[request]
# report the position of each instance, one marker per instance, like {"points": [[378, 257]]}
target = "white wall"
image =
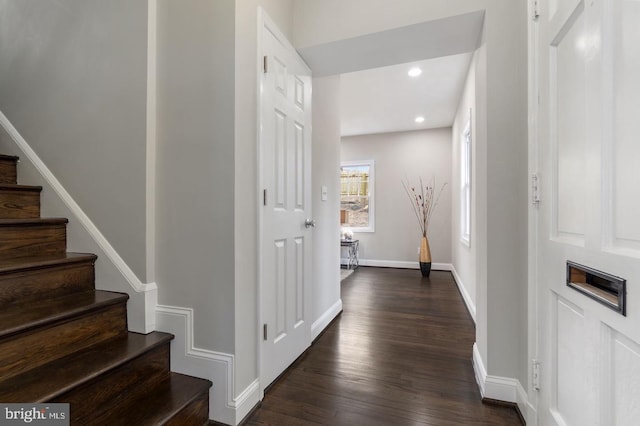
{"points": [[463, 256], [501, 137], [195, 153], [73, 82], [325, 164], [398, 156]]}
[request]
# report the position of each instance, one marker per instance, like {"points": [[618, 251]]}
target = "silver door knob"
{"points": [[309, 223]]}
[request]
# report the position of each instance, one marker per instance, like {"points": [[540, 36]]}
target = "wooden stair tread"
{"points": [[160, 403], [33, 222], [17, 318], [16, 187], [63, 341], [38, 262], [48, 381]]}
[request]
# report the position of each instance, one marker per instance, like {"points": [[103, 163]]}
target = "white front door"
{"points": [[588, 68], [285, 145]]}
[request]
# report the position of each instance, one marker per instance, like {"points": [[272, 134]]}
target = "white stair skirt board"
{"points": [[224, 405], [500, 388]]}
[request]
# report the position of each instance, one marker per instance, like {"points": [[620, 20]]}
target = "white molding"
{"points": [[478, 368], [248, 398], [150, 303], [471, 306], [500, 388], [403, 264], [325, 319], [526, 408], [215, 366], [150, 178]]}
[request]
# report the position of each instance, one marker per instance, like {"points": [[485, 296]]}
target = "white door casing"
{"points": [[285, 152], [587, 73]]}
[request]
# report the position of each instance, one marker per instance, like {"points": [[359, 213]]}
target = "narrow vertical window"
{"points": [[356, 195], [465, 183]]}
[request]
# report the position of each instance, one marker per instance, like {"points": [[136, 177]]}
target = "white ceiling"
{"points": [[377, 94], [386, 99]]}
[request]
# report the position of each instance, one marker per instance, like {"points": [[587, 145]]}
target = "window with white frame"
{"points": [[465, 183], [356, 195]]}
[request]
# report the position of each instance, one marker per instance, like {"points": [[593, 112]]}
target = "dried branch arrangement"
{"points": [[423, 200]]}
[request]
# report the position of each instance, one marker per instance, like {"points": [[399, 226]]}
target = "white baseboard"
{"points": [[479, 370], [246, 400], [92, 230], [218, 367], [500, 388], [402, 264], [471, 306], [325, 319]]}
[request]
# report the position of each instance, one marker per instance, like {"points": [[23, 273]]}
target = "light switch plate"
{"points": [[324, 193]]}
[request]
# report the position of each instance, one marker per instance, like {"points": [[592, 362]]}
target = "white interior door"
{"points": [[285, 144], [588, 66]]}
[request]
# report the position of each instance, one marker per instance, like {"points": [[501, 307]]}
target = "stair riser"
{"points": [[29, 350], [146, 370], [47, 282], [8, 173], [23, 241], [19, 204], [196, 413]]}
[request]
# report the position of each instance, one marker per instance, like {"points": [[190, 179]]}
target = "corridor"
{"points": [[400, 354]]}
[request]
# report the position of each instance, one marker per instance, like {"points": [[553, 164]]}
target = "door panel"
{"points": [[624, 234], [568, 80], [285, 141], [588, 65], [625, 379]]}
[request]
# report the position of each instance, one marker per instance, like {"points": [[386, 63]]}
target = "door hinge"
{"points": [[264, 197], [264, 331], [535, 374], [535, 13], [535, 189], [264, 64]]}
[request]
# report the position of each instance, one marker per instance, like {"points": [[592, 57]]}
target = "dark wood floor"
{"points": [[400, 354]]}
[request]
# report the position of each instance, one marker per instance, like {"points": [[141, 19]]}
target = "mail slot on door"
{"points": [[605, 288]]}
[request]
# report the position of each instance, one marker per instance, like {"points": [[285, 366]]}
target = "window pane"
{"points": [[354, 196]]}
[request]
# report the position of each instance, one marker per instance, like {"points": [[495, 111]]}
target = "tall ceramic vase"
{"points": [[425, 257]]}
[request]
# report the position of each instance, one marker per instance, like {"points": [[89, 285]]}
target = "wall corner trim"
{"points": [[471, 306], [82, 217], [499, 388], [219, 367], [246, 400], [325, 319]]}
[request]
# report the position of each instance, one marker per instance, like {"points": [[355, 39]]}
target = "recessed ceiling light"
{"points": [[414, 72], [419, 119]]}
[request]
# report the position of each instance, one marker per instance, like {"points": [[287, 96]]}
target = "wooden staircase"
{"points": [[61, 340]]}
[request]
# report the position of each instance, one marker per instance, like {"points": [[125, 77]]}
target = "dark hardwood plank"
{"points": [[399, 354], [8, 169], [56, 334], [162, 404], [19, 201], [29, 279], [32, 237], [96, 373]]}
